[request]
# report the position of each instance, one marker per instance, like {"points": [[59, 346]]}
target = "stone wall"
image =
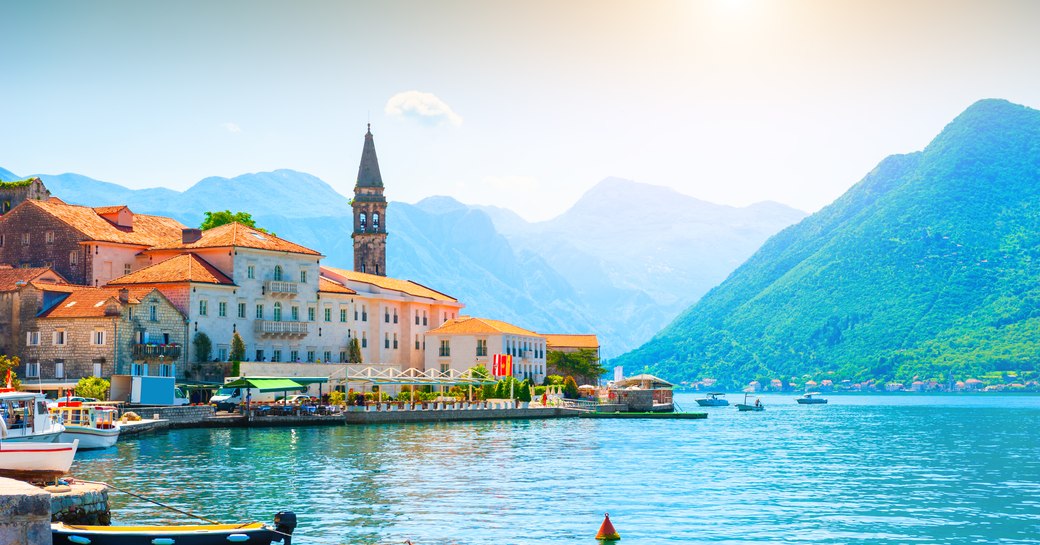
{"points": [[178, 415], [30, 220], [84, 503], [25, 514]]}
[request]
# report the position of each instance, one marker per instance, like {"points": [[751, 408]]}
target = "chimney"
{"points": [[190, 235], [124, 295]]}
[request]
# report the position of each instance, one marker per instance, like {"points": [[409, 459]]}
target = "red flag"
{"points": [[494, 364], [508, 367]]}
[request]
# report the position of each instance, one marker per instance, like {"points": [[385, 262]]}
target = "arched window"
{"points": [[361, 220], [375, 221], [277, 312], [277, 272]]}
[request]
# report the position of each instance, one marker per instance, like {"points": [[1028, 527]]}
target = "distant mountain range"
{"points": [[928, 268], [621, 263]]}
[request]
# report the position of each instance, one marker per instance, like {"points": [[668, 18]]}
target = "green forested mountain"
{"points": [[928, 266]]}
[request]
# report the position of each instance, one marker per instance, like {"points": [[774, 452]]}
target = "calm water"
{"points": [[863, 469]]}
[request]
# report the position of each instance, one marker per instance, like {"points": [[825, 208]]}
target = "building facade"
{"points": [[465, 342], [16, 192]]}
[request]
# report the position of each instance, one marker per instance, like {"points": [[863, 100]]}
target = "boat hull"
{"points": [[750, 408], [90, 438], [207, 534], [814, 401], [23, 459], [46, 437], [712, 402]]}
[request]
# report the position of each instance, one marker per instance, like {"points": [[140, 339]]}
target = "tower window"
{"points": [[375, 221], [361, 221]]}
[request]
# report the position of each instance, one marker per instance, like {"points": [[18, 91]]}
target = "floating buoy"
{"points": [[607, 531]]}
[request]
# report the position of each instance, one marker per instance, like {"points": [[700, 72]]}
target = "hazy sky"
{"points": [[523, 104]]}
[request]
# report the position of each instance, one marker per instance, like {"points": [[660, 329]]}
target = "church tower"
{"points": [[369, 213]]}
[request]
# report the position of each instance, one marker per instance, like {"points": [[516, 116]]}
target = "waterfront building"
{"points": [[87, 246], [465, 342], [569, 344], [20, 302]]}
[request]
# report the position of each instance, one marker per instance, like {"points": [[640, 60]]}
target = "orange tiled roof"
{"points": [[146, 231], [236, 235], [183, 268], [468, 325], [571, 341], [404, 286], [84, 302], [331, 286], [102, 210], [10, 276]]}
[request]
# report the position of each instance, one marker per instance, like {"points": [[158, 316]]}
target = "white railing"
{"points": [[279, 287], [270, 327]]}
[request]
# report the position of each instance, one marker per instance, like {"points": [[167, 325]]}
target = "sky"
{"points": [[520, 104]]}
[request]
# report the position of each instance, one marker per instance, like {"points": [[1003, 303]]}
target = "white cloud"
{"points": [[425, 108], [231, 127]]}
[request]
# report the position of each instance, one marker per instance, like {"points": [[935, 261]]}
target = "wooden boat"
{"points": [[251, 533], [25, 417], [32, 460], [745, 406], [94, 425], [713, 399], [808, 399]]}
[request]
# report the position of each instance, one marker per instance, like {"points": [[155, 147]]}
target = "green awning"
{"points": [[266, 384]]}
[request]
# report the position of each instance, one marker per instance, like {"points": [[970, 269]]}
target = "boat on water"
{"points": [[808, 399], [32, 460], [713, 399], [251, 533], [94, 425], [26, 418], [745, 406]]}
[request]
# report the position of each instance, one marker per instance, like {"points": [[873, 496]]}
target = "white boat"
{"points": [[23, 459], [714, 399], [745, 406], [26, 418], [95, 426], [808, 399]]}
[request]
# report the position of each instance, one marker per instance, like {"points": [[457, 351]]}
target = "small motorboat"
{"points": [[36, 461], [808, 399], [94, 425], [250, 533], [745, 406], [713, 399], [26, 418]]}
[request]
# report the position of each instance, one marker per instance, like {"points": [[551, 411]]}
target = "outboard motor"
{"points": [[285, 523]]}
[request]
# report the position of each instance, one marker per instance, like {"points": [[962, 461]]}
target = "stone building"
{"points": [[20, 302], [369, 206], [85, 245], [465, 342], [14, 193]]}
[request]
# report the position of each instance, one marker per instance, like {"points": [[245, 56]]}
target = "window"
{"points": [[303, 277], [364, 313], [222, 353], [481, 347], [73, 259], [165, 370], [276, 355], [310, 314], [259, 354], [294, 356], [277, 312], [58, 338], [130, 313], [395, 341], [138, 369], [416, 342], [445, 367], [355, 314], [277, 272], [343, 315], [386, 315], [98, 338], [203, 307], [32, 338], [59, 368], [328, 357], [97, 369], [417, 317], [364, 340], [424, 322], [251, 272], [260, 311], [445, 349], [48, 237], [153, 312], [386, 340], [395, 315], [295, 313], [328, 314], [342, 356], [25, 242], [310, 355], [126, 268], [32, 369], [222, 309], [3, 238], [241, 310], [375, 221], [361, 220]]}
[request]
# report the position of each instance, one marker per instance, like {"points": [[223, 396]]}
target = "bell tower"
{"points": [[369, 213]]}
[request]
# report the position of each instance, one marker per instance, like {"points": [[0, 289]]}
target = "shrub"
{"points": [[525, 391], [337, 397], [95, 387], [570, 388], [552, 380]]}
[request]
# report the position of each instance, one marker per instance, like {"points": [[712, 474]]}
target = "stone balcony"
{"points": [[281, 329], [280, 287], [156, 351]]}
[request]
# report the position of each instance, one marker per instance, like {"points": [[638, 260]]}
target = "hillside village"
{"points": [[102, 291]]}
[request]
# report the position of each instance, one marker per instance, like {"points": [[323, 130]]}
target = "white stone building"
{"points": [[465, 342]]}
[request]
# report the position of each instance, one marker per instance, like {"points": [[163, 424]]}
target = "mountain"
{"points": [[8, 176], [621, 264], [929, 266]]}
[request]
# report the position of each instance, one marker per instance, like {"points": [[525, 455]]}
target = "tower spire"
{"points": [[369, 207]]}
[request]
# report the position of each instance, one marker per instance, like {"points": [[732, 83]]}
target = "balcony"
{"points": [[279, 287], [281, 329], [155, 351]]}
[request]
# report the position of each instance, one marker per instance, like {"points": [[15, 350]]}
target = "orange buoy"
{"points": [[607, 531]]}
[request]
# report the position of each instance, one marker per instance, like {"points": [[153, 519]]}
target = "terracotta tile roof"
{"points": [[84, 302], [146, 230], [331, 286], [394, 284], [103, 210], [10, 276], [468, 325], [183, 268], [571, 341], [236, 235]]}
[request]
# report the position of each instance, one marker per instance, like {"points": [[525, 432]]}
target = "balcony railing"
{"points": [[279, 287], [270, 327], [155, 351]]}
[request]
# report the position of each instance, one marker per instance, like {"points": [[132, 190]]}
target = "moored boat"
{"points": [[745, 406], [808, 399], [251, 533], [94, 425], [26, 418], [713, 399], [31, 460]]}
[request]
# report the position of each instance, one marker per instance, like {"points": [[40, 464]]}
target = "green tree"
{"points": [[570, 388], [480, 371], [203, 347], [552, 380], [9, 363], [216, 219], [354, 351], [524, 392], [238, 353], [95, 387], [584, 363]]}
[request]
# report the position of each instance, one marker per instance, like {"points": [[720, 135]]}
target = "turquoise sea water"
{"points": [[862, 469]]}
